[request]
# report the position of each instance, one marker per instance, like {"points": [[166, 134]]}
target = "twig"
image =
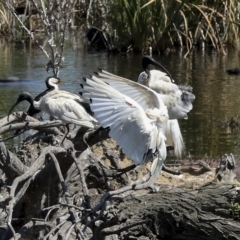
{"points": [[52, 23], [69, 231], [81, 233], [88, 13], [84, 155], [54, 229], [51, 209], [73, 206], [64, 187]]}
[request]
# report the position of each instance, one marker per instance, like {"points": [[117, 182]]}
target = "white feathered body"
{"points": [[158, 81], [178, 102], [67, 107]]}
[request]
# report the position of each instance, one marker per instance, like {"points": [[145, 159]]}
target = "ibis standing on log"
{"points": [[61, 105], [136, 123]]}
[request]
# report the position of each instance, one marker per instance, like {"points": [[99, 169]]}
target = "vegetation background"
{"points": [[133, 25]]}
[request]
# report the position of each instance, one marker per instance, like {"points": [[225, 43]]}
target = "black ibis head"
{"points": [[148, 60], [25, 96]]}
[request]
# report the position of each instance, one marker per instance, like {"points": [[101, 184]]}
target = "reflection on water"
{"points": [[217, 96]]}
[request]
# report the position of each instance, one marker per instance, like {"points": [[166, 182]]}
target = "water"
{"points": [[217, 97]]}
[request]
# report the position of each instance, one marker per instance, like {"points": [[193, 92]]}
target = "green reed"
{"points": [[163, 23]]}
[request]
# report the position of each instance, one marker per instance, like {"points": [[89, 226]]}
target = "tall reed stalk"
{"points": [[4, 20]]}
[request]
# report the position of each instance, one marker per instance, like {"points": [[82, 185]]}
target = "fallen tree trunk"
{"points": [[175, 213]]}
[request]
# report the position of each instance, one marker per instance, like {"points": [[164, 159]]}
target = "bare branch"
{"points": [[35, 167], [64, 187]]}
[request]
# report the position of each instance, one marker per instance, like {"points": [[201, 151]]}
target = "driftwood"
{"points": [[74, 191]]}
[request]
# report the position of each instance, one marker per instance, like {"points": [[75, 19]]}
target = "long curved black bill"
{"points": [[146, 60], [10, 111]]}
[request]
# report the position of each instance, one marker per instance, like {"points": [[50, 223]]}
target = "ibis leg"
{"points": [[65, 134]]}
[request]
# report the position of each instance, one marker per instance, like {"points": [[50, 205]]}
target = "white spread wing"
{"points": [[143, 95], [128, 123]]}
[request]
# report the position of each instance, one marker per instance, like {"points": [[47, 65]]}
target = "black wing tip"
{"points": [[96, 73]]}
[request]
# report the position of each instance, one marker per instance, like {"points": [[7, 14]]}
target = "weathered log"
{"points": [[174, 213]]}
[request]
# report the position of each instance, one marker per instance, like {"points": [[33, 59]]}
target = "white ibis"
{"points": [[177, 99], [137, 126], [61, 105]]}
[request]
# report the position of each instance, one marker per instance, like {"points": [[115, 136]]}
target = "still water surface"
{"points": [[217, 94]]}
